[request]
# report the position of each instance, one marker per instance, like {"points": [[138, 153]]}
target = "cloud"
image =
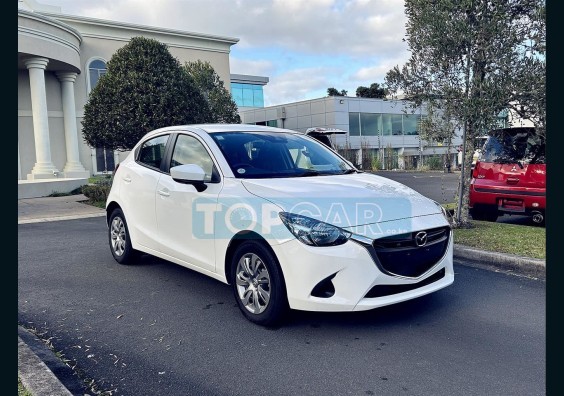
{"points": [[251, 67], [303, 46], [377, 72], [296, 85], [312, 26]]}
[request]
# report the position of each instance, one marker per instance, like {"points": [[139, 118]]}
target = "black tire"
{"points": [[482, 214], [118, 238], [260, 277]]}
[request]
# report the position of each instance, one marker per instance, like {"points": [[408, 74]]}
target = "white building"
{"points": [[60, 59], [372, 125]]}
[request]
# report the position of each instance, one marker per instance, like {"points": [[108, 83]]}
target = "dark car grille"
{"points": [[388, 290], [401, 255]]}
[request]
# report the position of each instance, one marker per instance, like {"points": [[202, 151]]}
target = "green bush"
{"points": [[145, 88], [434, 163], [376, 163], [96, 192], [99, 190]]}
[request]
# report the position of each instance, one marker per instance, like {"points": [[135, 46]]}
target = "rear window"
{"points": [[514, 145]]}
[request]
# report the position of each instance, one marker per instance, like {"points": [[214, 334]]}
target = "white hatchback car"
{"points": [[282, 218]]}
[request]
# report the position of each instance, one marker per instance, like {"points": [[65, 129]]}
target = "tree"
{"points": [[439, 126], [223, 107], [334, 92], [374, 91], [472, 59], [144, 88]]}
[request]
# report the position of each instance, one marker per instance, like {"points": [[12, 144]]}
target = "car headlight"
{"points": [[443, 210], [313, 232]]}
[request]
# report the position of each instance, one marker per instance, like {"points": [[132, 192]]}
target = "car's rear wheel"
{"points": [[258, 284], [118, 235], [484, 214]]}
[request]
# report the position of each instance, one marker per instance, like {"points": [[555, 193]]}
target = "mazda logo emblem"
{"points": [[421, 238]]}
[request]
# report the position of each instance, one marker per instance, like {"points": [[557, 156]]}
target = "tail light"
{"points": [[475, 171]]}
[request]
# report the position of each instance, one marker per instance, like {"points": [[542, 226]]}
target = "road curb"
{"points": [[60, 218], [39, 369], [503, 261]]}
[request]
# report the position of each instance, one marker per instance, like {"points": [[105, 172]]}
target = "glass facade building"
{"points": [[247, 90], [374, 124], [247, 95]]}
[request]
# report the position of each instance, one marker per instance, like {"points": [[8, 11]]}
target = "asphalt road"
{"points": [[443, 188], [156, 328]]}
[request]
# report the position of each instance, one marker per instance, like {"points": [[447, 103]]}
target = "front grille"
{"points": [[387, 290], [400, 254]]}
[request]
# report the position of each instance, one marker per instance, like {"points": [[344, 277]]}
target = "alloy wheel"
{"points": [[253, 283], [118, 236]]}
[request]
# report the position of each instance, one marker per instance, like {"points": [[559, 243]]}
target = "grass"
{"points": [[23, 391], [526, 241], [451, 206], [98, 204], [97, 178]]}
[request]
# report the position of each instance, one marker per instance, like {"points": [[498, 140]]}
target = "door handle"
{"points": [[164, 193], [127, 179]]}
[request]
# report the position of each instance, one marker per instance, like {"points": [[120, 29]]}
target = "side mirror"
{"points": [[189, 174]]}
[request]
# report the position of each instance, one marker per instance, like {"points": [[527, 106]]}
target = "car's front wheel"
{"points": [[118, 235], [258, 284]]}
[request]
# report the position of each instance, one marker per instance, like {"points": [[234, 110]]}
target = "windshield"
{"points": [[273, 154], [514, 145]]}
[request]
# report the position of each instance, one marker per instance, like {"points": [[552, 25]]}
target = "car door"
{"points": [[138, 190], [184, 233]]}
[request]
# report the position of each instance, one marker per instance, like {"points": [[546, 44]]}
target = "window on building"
{"points": [[370, 124], [270, 123], [387, 124], [237, 93], [247, 95], [410, 124], [96, 69], [354, 124], [248, 100], [258, 96], [104, 160], [397, 127]]}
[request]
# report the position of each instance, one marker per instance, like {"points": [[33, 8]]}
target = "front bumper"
{"points": [[353, 274]]}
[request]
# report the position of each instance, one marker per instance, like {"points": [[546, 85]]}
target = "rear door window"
{"points": [[153, 151]]}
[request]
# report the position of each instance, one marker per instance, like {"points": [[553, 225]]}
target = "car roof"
{"points": [[214, 128]]}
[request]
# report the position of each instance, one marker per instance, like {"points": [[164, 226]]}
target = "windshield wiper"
{"points": [[309, 173], [349, 171]]}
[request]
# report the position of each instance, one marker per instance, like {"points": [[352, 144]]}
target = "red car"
{"points": [[510, 176]]}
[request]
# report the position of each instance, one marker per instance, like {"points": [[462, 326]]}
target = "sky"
{"points": [[302, 46]]}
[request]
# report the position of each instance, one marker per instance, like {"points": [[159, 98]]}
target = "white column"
{"points": [[73, 167], [43, 168]]}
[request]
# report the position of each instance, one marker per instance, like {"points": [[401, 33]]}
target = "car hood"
{"points": [[344, 200]]}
